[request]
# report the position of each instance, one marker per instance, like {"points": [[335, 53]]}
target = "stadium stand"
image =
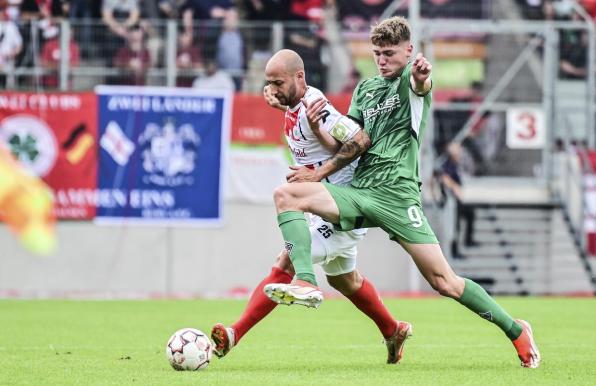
{"points": [[490, 58]]}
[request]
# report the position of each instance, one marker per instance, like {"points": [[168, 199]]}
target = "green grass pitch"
{"points": [[123, 343]]}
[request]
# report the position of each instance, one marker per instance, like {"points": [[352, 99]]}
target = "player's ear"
{"points": [[300, 74]]}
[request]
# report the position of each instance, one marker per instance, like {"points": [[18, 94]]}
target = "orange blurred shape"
{"points": [[27, 206]]}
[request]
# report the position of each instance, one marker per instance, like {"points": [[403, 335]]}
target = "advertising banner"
{"points": [[161, 155], [54, 135]]}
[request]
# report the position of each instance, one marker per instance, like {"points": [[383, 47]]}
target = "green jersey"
{"points": [[394, 117]]}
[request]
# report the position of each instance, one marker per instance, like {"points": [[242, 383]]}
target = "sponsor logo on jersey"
{"points": [[386, 106], [298, 152]]}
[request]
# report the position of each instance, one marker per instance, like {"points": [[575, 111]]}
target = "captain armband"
{"points": [[344, 129]]}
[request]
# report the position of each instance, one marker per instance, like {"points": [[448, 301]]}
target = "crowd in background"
{"points": [[128, 34], [213, 51]]}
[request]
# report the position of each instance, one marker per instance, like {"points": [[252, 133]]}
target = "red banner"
{"points": [[55, 135], [256, 123]]}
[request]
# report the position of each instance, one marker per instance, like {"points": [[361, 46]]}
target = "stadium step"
{"points": [[522, 249]]}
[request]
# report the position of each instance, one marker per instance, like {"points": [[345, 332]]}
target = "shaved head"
{"points": [[285, 77], [287, 61]]}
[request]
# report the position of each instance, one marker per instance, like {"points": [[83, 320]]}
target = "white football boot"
{"points": [[298, 292]]}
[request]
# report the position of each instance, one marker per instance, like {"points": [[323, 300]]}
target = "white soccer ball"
{"points": [[189, 349]]}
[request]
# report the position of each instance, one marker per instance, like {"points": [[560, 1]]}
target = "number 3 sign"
{"points": [[525, 128]]}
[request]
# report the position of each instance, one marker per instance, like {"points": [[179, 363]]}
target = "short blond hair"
{"points": [[390, 32]]}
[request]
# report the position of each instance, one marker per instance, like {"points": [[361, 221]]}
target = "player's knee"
{"points": [[283, 198], [347, 283], [444, 286]]}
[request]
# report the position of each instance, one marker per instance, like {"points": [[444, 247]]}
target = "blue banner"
{"points": [[161, 154]]}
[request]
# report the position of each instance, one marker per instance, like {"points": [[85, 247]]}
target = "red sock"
{"points": [[259, 304], [368, 301]]}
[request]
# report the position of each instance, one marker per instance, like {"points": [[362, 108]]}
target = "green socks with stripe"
{"points": [[294, 229], [478, 300]]}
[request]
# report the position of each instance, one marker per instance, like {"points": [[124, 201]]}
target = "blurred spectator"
{"points": [[306, 10], [563, 8], [230, 47], [81, 16], [154, 41], [172, 9], [573, 52], [209, 9], [134, 58], [52, 8], [76, 8], [188, 58], [177, 10], [455, 9], [51, 55], [359, 15], [41, 9], [12, 9], [532, 9], [266, 9], [574, 55], [590, 6], [214, 79], [308, 41], [118, 16], [451, 122], [452, 181], [149, 9], [11, 44]]}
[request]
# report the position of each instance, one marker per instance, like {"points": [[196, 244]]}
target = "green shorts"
{"points": [[396, 209]]}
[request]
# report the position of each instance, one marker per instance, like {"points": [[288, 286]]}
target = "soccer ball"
{"points": [[189, 349]]}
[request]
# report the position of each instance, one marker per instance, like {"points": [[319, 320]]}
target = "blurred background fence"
{"points": [[513, 124]]}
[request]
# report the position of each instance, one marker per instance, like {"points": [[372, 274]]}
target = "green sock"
{"points": [[477, 300], [297, 239]]}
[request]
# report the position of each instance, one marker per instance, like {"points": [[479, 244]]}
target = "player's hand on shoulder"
{"points": [[271, 99], [315, 110], [302, 174]]}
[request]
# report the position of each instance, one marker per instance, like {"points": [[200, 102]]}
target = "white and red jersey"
{"points": [[304, 144]]}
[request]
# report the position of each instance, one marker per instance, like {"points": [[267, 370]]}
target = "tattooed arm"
{"points": [[348, 152]]}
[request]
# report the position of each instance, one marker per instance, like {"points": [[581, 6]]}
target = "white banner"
{"points": [[254, 173]]}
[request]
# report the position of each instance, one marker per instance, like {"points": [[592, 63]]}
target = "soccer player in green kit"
{"points": [[392, 108]]}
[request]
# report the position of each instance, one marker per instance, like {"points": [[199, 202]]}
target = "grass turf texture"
{"points": [[123, 343]]}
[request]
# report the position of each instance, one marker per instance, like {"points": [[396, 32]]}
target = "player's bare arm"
{"points": [[315, 111], [271, 99], [348, 152], [420, 78]]}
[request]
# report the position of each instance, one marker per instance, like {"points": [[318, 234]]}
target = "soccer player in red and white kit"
{"points": [[312, 142]]}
